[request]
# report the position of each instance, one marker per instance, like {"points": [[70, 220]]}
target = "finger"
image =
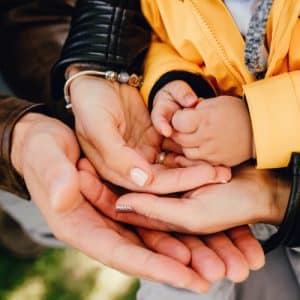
{"points": [[163, 110], [101, 197], [204, 260], [170, 145], [85, 165], [184, 162], [109, 247], [196, 153], [186, 120], [188, 140], [249, 246], [164, 243], [181, 92], [164, 209], [223, 173], [181, 179], [170, 161], [95, 191], [237, 268]]}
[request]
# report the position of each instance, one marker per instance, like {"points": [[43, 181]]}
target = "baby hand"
{"points": [[172, 97], [217, 130]]}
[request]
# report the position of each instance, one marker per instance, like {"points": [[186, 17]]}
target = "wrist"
{"points": [[281, 199], [278, 190], [19, 136]]}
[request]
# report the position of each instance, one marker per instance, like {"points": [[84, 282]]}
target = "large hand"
{"points": [[116, 134], [45, 152], [214, 256], [252, 196]]}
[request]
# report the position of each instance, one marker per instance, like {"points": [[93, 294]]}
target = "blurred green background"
{"points": [[62, 274]]}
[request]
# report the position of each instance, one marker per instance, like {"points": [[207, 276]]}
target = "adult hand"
{"points": [[45, 152], [229, 254], [115, 132], [251, 196]]}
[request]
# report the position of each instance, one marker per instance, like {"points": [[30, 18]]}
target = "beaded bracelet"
{"points": [[122, 77]]}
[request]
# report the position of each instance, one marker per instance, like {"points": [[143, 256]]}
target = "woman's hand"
{"points": [[251, 196], [228, 254], [115, 131]]}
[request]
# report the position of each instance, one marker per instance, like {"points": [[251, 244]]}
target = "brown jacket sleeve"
{"points": [[11, 110], [32, 35]]}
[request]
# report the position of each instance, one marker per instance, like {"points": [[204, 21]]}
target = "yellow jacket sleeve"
{"points": [[274, 105], [161, 59]]}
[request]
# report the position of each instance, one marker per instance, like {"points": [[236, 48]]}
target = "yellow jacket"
{"points": [[201, 37]]}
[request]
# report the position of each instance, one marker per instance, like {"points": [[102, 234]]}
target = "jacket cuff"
{"points": [[274, 110], [11, 110], [111, 34], [199, 85]]}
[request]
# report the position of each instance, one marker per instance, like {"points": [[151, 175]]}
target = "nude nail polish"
{"points": [[138, 176]]}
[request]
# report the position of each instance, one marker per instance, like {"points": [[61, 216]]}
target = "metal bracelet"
{"points": [[133, 80]]}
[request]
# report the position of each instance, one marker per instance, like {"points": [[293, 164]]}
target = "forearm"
{"points": [[34, 32]]}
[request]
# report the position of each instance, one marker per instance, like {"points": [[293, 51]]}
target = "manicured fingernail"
{"points": [[138, 176], [124, 208]]}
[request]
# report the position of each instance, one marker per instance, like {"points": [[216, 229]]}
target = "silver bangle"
{"points": [[122, 77]]}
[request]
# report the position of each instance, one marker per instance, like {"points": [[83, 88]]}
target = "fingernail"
{"points": [[138, 176], [190, 100], [124, 208], [218, 181], [224, 181]]}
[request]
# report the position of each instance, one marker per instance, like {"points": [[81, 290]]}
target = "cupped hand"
{"points": [[115, 132], [228, 254], [251, 196]]}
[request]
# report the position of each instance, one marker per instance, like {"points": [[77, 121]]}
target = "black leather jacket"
{"points": [[109, 34]]}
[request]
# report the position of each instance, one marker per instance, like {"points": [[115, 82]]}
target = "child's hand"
{"points": [[169, 99], [217, 130]]}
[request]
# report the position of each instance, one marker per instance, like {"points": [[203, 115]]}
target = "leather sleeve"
{"points": [[107, 35], [32, 34]]}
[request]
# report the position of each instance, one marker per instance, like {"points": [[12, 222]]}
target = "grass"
{"points": [[60, 275]]}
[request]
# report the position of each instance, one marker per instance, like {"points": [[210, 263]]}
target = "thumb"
{"points": [[55, 167], [64, 190]]}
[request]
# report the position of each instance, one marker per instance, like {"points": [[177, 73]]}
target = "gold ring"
{"points": [[161, 157]]}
